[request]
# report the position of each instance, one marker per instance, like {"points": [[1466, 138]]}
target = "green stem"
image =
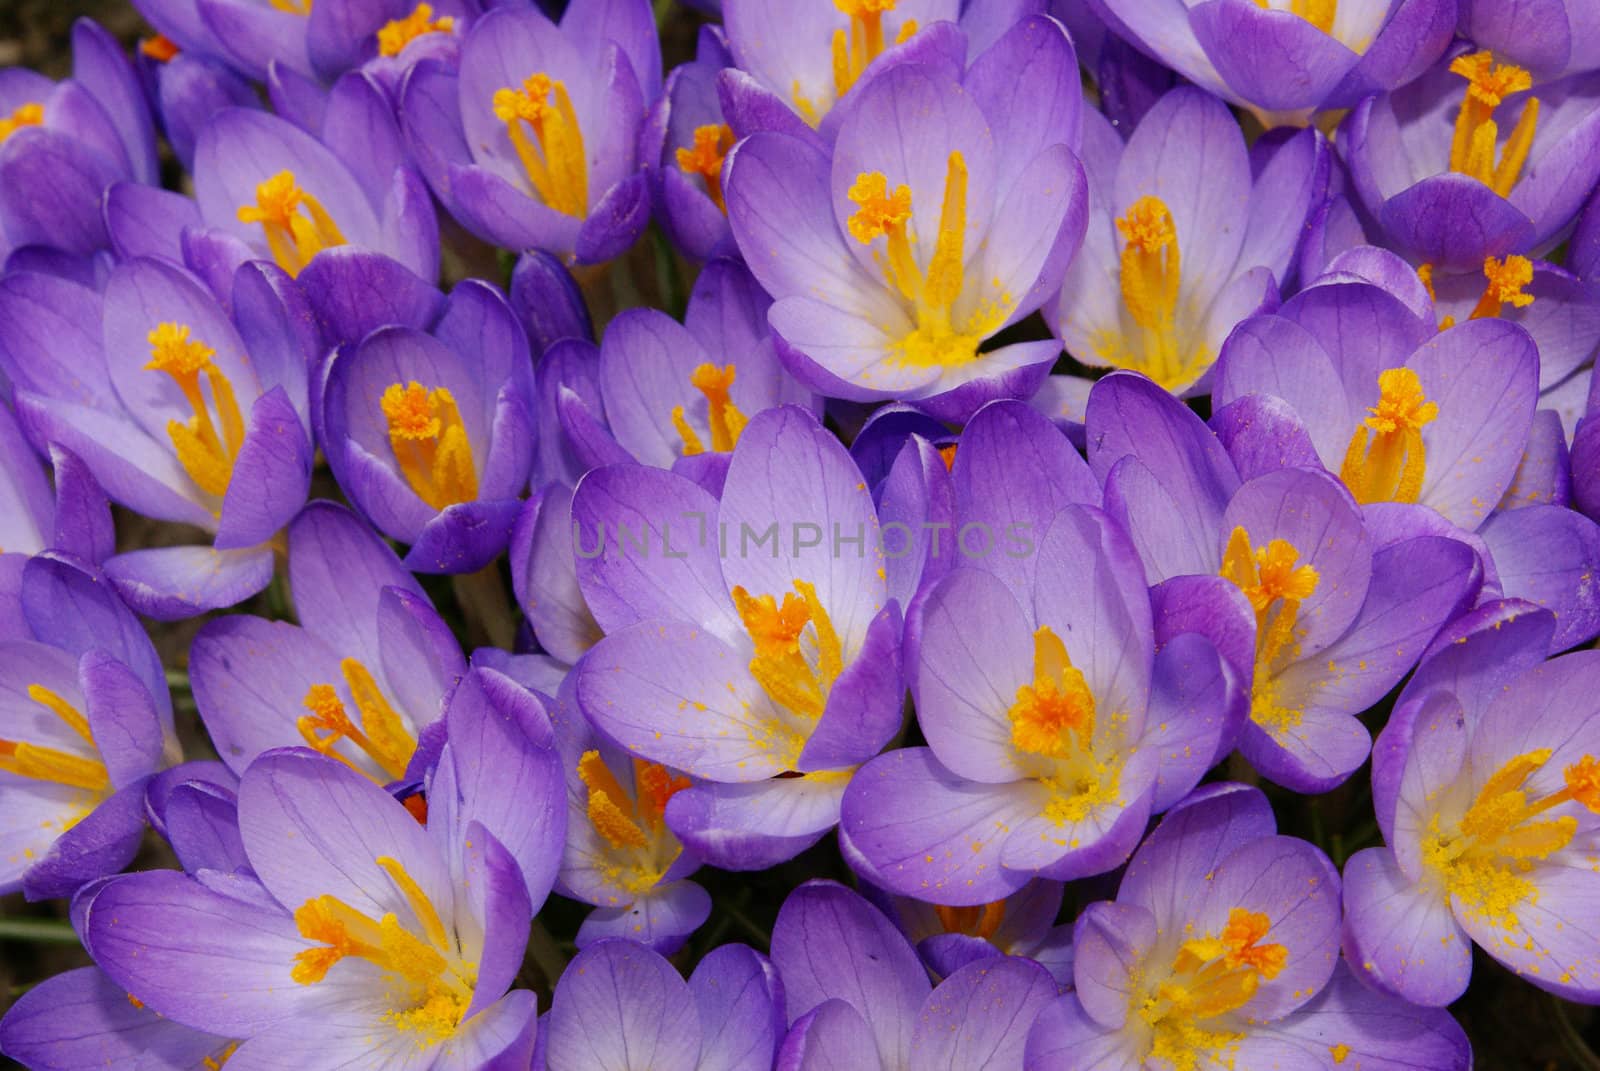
{"points": [[38, 931], [663, 9], [485, 605], [545, 953], [667, 277], [1576, 1046], [758, 936]]}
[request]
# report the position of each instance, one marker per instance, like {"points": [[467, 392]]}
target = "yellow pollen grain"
{"points": [[24, 115]]}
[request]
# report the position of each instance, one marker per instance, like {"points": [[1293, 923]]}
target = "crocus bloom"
{"points": [[1181, 243], [85, 720], [1055, 729], [1550, 40], [678, 396], [1473, 160], [620, 855], [175, 417], [287, 197], [369, 939], [944, 214], [1288, 58], [747, 640], [1486, 783], [1221, 950], [855, 991], [948, 938], [365, 671], [431, 432], [621, 1007], [1323, 637], [533, 145], [685, 139], [62, 144]]}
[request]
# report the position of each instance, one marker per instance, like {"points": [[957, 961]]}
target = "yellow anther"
{"points": [[704, 158], [723, 417], [48, 764], [1320, 13], [1148, 226], [1473, 147], [430, 443], [206, 454], [796, 675], [30, 114], [382, 735], [217, 1060], [1425, 273], [421, 905], [863, 42], [1387, 459], [979, 920], [396, 34], [610, 808], [554, 159], [70, 716], [160, 48], [294, 223], [1210, 976], [1054, 714], [292, 7], [1484, 860], [172, 351], [1503, 283], [1150, 275], [1273, 580], [655, 785]]}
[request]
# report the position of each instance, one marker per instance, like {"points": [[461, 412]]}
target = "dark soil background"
{"points": [[1514, 1027]]}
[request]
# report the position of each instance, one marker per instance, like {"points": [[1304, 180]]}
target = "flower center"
{"points": [[396, 34], [205, 453], [1473, 149], [634, 825], [160, 48], [1053, 720], [292, 7], [1149, 274], [59, 767], [979, 920], [1320, 13], [295, 224], [704, 158], [1210, 977], [554, 159], [724, 418], [430, 443], [1483, 863], [381, 735], [1275, 583], [940, 337], [1503, 284], [433, 982], [1387, 459], [798, 656]]}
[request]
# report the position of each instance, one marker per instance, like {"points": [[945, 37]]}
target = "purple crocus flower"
{"points": [[684, 142], [1182, 241], [156, 391], [1221, 950], [81, 1018], [1332, 616], [362, 675], [533, 144], [621, 856], [1550, 39], [430, 432], [796, 64], [87, 721], [750, 642], [262, 182], [1023, 924], [621, 1007], [1286, 59], [1473, 160], [1487, 787], [944, 213], [857, 996], [188, 89], [1055, 729], [678, 396], [62, 144], [369, 938]]}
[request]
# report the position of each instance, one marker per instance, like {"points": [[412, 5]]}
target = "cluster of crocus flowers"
{"points": [[969, 536]]}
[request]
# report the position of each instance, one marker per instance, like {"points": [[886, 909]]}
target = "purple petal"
{"points": [[172, 583], [619, 1005]]}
